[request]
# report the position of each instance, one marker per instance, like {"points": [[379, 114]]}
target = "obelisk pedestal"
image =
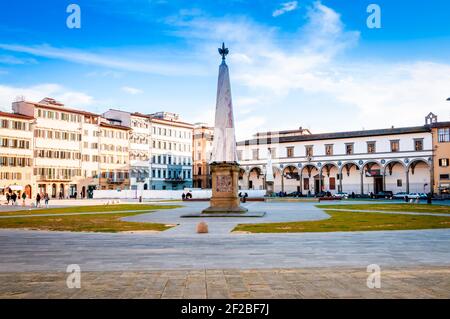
{"points": [[225, 197]]}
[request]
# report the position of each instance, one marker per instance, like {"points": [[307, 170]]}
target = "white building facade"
{"points": [[171, 158], [360, 162]]}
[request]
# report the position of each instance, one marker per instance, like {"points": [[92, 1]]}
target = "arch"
{"points": [[256, 169], [290, 172], [415, 161], [348, 165], [329, 165], [61, 191], [391, 163], [371, 162], [309, 168]]}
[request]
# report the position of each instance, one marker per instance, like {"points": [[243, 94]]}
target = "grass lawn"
{"points": [[87, 209], [89, 222], [419, 208], [351, 221]]}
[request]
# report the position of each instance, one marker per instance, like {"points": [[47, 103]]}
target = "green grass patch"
{"points": [[418, 208], [89, 222], [88, 209], [351, 221]]}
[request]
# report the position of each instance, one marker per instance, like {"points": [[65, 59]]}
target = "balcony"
{"points": [[115, 180], [53, 178], [175, 180]]}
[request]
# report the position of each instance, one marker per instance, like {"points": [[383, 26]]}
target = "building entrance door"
{"points": [[378, 184]]}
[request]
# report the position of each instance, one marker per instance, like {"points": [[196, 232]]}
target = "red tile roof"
{"points": [[17, 116]]}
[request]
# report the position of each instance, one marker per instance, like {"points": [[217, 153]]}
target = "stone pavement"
{"points": [[418, 282]]}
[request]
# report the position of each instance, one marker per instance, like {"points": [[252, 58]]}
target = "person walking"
{"points": [[13, 199], [24, 197], [46, 199], [38, 200], [8, 197]]}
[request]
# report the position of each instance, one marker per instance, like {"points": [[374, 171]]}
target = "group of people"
{"points": [[186, 196], [42, 196], [11, 198]]}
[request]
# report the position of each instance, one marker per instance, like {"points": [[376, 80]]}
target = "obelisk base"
{"points": [[225, 197], [269, 188]]}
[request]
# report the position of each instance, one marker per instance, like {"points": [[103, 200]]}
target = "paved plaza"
{"points": [[167, 264]]}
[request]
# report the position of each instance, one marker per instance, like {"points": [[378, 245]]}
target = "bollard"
{"points": [[202, 228]]}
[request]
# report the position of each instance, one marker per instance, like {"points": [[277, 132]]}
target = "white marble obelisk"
{"points": [[224, 143], [224, 166]]}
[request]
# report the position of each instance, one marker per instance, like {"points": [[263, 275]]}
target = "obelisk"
{"points": [[224, 163]]}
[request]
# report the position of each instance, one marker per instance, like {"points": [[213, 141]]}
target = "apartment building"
{"points": [[441, 159], [57, 145], [16, 154], [114, 146], [171, 157], [201, 154], [140, 146]]}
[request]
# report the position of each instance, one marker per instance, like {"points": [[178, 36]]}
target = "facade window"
{"points": [[418, 144], [255, 155], [443, 162], [309, 150], [239, 155], [395, 145], [444, 176], [349, 148], [290, 151], [444, 135], [371, 147], [399, 183], [329, 149]]}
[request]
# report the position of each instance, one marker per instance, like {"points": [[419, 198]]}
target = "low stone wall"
{"points": [[166, 194]]}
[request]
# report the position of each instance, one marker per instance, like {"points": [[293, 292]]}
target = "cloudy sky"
{"points": [[305, 63]]}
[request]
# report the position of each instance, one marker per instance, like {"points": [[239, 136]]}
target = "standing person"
{"points": [[46, 199], [13, 199], [38, 200], [24, 196], [8, 197]]}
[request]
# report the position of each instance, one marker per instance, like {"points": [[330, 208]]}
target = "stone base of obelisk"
{"points": [[225, 190], [269, 188]]}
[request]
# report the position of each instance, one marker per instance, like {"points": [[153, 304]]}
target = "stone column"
{"points": [[407, 180], [340, 181], [384, 179], [320, 180], [362, 181]]}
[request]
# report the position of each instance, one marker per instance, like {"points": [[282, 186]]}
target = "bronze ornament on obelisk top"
{"points": [[224, 163]]}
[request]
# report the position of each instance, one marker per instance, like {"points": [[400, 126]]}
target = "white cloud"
{"points": [[33, 93], [131, 90], [105, 60], [285, 7], [9, 59]]}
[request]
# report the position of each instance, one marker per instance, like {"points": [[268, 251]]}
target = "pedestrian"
{"points": [[429, 196], [38, 200], [183, 196], [8, 197], [24, 196], [13, 199], [60, 195], [46, 199]]}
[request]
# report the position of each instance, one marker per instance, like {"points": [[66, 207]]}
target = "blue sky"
{"points": [[293, 63]]}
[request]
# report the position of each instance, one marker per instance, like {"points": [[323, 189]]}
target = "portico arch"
{"points": [[255, 178], [290, 179], [310, 178], [372, 177], [350, 177], [394, 176], [418, 175], [329, 172]]}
